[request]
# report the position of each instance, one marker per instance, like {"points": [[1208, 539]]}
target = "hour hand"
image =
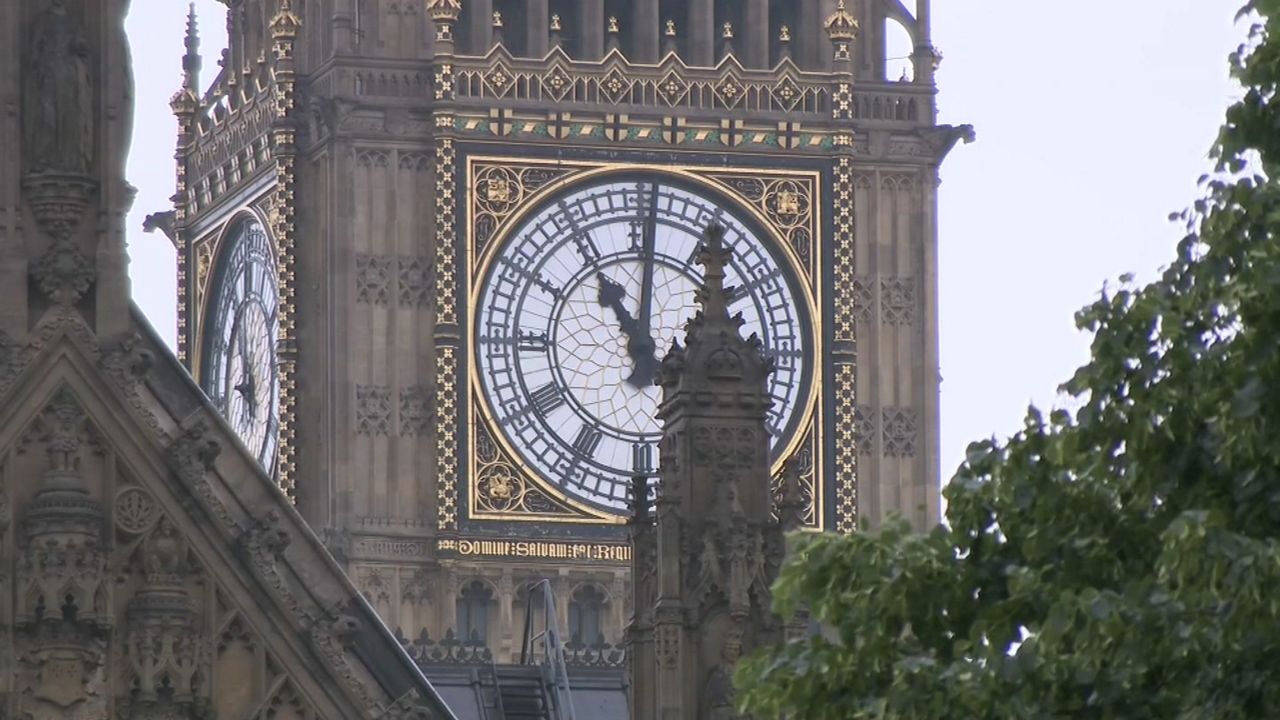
{"points": [[611, 296], [639, 345], [245, 389]]}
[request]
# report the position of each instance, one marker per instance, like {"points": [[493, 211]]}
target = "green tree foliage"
{"points": [[1118, 561]]}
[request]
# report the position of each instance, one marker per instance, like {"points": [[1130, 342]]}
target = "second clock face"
{"points": [[240, 331], [582, 301]]}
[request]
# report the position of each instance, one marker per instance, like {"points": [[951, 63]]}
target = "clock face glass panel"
{"points": [[240, 330], [585, 297]]}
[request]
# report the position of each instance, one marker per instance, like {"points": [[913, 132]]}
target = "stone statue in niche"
{"points": [[58, 109]]}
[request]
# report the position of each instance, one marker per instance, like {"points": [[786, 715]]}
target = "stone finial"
{"points": [[713, 295], [613, 27], [714, 350], [497, 19], [555, 23], [191, 59], [670, 30], [726, 31]]}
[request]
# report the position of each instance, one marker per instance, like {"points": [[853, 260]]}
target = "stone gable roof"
{"points": [[158, 570]]}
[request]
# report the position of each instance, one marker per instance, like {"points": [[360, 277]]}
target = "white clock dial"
{"points": [[581, 302]]}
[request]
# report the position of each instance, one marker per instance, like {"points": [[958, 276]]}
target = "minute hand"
{"points": [[644, 361]]}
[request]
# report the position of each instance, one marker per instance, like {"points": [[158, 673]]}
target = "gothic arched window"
{"points": [[473, 612], [586, 616]]}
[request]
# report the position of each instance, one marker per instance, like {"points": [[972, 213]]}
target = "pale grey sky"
{"points": [[1094, 119]]}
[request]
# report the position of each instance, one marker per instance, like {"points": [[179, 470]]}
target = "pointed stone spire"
{"points": [[191, 59], [704, 561]]}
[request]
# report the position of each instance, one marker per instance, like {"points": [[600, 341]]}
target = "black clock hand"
{"points": [[245, 388], [639, 344], [644, 361], [611, 296]]}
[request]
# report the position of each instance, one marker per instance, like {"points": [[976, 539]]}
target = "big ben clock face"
{"points": [[579, 304], [240, 330]]}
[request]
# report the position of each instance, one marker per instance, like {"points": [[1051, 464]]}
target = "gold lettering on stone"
{"points": [[542, 549]]}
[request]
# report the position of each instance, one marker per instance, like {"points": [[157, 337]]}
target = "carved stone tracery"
{"points": [[62, 608]]}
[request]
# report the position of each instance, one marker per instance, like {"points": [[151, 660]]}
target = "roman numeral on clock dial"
{"points": [[532, 341], [586, 441], [546, 398]]}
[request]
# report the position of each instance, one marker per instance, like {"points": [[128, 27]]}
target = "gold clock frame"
{"points": [[500, 194]]}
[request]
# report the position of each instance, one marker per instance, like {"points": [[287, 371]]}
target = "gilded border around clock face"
{"points": [[501, 192], [206, 251]]}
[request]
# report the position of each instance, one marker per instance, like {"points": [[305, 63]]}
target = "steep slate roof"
{"points": [[321, 646]]}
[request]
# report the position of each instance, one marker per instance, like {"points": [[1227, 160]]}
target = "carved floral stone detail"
{"points": [[62, 616], [900, 427], [373, 278], [163, 650], [63, 273], [127, 361], [373, 410], [192, 456], [898, 300], [9, 360], [332, 635], [58, 202], [416, 281], [135, 510], [864, 429], [861, 299], [501, 488], [415, 410]]}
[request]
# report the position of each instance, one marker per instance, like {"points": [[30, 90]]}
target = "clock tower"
{"points": [[432, 251]]}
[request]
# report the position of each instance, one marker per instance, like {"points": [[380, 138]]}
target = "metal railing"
{"points": [[555, 669]]}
